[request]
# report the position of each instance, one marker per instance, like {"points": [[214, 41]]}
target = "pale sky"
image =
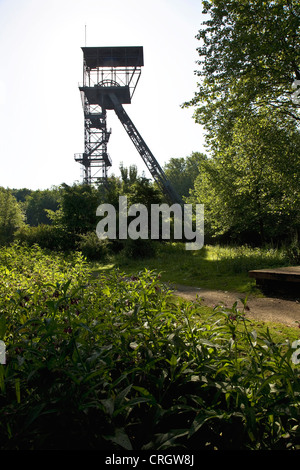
{"points": [[41, 116]]}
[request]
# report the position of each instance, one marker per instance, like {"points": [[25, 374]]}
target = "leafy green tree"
{"points": [[37, 204], [128, 175], [252, 185], [77, 209], [110, 191], [11, 216], [182, 172], [138, 190], [142, 191], [249, 58], [21, 194], [76, 213]]}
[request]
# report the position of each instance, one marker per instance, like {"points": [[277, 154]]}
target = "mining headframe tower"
{"points": [[110, 77]]}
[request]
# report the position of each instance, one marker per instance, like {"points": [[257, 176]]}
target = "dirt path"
{"points": [[264, 309]]}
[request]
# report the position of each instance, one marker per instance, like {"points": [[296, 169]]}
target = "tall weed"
{"points": [[114, 363]]}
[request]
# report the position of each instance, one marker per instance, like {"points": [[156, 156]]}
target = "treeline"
{"points": [[64, 218], [246, 199], [249, 65]]}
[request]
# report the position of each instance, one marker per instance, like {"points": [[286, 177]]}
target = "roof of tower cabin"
{"points": [[95, 57]]}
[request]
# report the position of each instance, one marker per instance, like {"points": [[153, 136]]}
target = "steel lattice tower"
{"points": [[110, 77]]}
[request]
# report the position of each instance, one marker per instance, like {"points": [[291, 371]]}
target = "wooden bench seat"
{"points": [[282, 280]]}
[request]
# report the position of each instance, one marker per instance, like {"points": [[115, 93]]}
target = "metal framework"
{"points": [[110, 77]]}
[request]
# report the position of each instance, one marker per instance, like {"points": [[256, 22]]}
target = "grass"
{"points": [[212, 267]]}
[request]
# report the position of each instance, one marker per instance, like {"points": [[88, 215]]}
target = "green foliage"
{"points": [[74, 220], [250, 187], [21, 194], [46, 236], [11, 216], [129, 175], [92, 248], [293, 251], [112, 363], [212, 267], [182, 172], [249, 58], [138, 189], [77, 209], [37, 204], [139, 249]]}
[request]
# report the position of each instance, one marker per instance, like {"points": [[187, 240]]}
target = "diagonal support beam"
{"points": [[152, 164], [103, 141]]}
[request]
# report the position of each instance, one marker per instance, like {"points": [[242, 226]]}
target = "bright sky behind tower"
{"points": [[41, 116]]}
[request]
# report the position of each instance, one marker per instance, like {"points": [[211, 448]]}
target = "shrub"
{"points": [[293, 252], [46, 236], [93, 248], [139, 248]]}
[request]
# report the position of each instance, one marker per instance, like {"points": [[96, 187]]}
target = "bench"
{"points": [[279, 280]]}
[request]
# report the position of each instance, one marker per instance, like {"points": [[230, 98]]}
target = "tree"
{"points": [[128, 175], [251, 187], [11, 216], [182, 172], [249, 58], [77, 209], [21, 194], [37, 204]]}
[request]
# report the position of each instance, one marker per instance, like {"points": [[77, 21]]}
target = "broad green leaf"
{"points": [[121, 439]]}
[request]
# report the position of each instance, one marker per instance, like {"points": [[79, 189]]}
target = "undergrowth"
{"points": [[114, 363], [212, 267]]}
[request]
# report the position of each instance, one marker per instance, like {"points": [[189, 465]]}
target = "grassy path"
{"points": [[218, 275], [265, 309]]}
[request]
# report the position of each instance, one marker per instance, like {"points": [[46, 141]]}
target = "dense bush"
{"points": [[93, 248], [139, 248], [113, 363], [47, 236]]}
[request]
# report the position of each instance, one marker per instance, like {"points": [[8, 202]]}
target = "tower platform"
{"points": [[99, 95], [99, 57]]}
